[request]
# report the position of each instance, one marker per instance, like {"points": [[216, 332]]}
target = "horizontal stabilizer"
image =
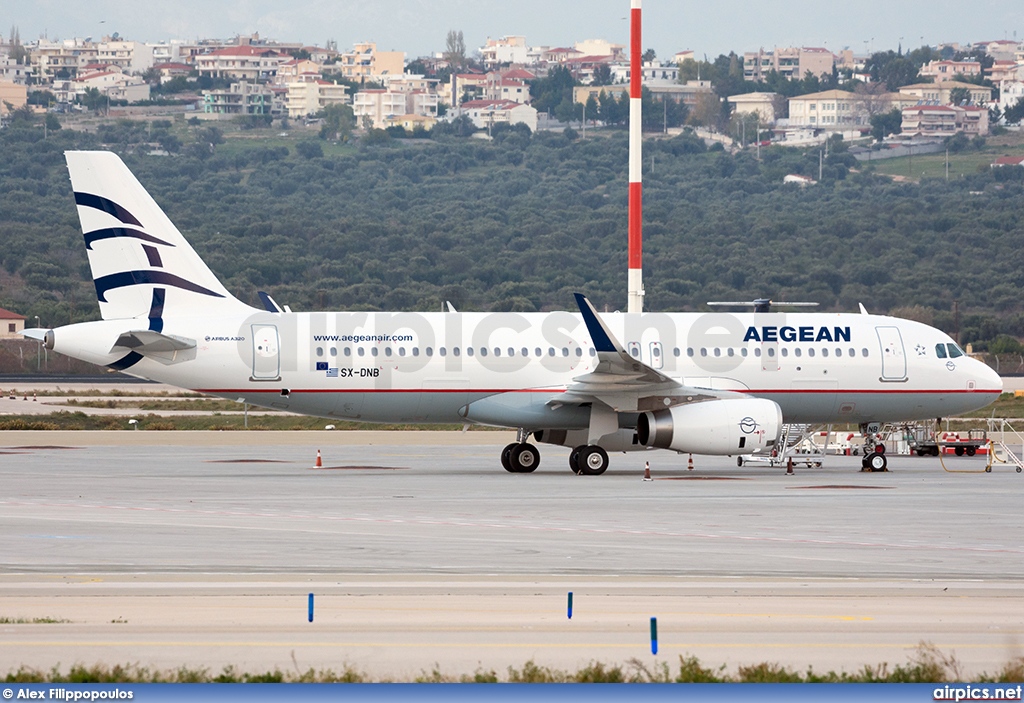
{"points": [[150, 342]]}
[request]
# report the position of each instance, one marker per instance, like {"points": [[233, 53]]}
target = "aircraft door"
{"points": [[894, 361], [657, 355], [266, 353]]}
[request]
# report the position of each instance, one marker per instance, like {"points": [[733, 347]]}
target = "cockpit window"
{"points": [[954, 350], [940, 350]]}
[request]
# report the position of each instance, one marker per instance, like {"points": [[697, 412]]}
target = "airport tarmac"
{"points": [[199, 549]]}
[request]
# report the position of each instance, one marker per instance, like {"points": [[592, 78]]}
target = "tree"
{"points": [[886, 123], [960, 96], [455, 49], [648, 56], [872, 99], [93, 99], [338, 122], [1015, 113], [707, 111], [17, 51], [602, 75], [548, 93]]}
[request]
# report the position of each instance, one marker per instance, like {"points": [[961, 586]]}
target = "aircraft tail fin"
{"points": [[141, 264]]}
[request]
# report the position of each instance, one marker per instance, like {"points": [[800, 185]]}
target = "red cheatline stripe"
{"points": [[753, 391], [636, 242], [635, 52]]}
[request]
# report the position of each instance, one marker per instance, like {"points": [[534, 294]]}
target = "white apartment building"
{"points": [[653, 72], [364, 63], [129, 56], [61, 59], [13, 72], [761, 104], [377, 106], [487, 113], [244, 63], [1010, 92], [505, 50], [944, 70], [306, 98], [831, 109], [939, 92]]}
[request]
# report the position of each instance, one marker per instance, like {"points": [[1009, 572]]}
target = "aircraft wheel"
{"points": [[574, 459], [524, 458], [506, 455], [739, 461], [877, 462], [592, 460], [971, 451]]}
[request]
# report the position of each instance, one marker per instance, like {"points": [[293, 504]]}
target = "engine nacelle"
{"points": [[718, 427]]}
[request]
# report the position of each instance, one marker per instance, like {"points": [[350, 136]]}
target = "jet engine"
{"points": [[720, 427]]}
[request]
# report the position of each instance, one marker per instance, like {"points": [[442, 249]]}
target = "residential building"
{"points": [[761, 104], [939, 92], [298, 69], [410, 122], [61, 59], [11, 324], [241, 98], [13, 94], [374, 106], [241, 63], [471, 83], [831, 109], [652, 71], [170, 71], [792, 63], [684, 55], [508, 85], [12, 71], [1000, 49], [584, 68], [1006, 71], [601, 47], [487, 113], [946, 70], [559, 54], [1010, 93], [167, 52], [688, 94], [504, 51], [306, 98], [582, 93], [944, 120], [364, 63], [1008, 161], [128, 56], [111, 83]]}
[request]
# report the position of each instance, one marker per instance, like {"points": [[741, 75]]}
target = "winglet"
{"points": [[599, 333]]}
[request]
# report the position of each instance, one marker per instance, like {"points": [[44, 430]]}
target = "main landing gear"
{"points": [[588, 460]]}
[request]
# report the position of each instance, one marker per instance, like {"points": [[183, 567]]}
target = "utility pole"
{"points": [[947, 164]]}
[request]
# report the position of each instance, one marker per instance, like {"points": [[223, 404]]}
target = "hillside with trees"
{"points": [[523, 221]]}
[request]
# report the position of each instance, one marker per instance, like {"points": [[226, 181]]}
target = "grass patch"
{"points": [[927, 665]]}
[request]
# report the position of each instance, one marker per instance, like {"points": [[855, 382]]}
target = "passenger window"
{"points": [[689, 352], [483, 351], [348, 351], [634, 352], [839, 352], [743, 351], [374, 351], [565, 351], [954, 351], [401, 351], [525, 351], [824, 352], [593, 352], [940, 351], [469, 351], [703, 351], [362, 352], [455, 351], [387, 351], [536, 352], [852, 353], [319, 351], [551, 351], [429, 351], [442, 351], [730, 352], [771, 351], [757, 352], [864, 351], [334, 351], [718, 352], [785, 351], [675, 352], [797, 351], [415, 351], [579, 351]]}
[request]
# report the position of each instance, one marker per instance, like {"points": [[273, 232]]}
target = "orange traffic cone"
{"points": [[689, 463], [789, 466], [647, 471], [319, 461]]}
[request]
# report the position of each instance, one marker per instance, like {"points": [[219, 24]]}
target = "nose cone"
{"points": [[988, 381]]}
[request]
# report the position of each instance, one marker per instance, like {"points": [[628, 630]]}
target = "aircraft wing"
{"points": [[623, 383]]}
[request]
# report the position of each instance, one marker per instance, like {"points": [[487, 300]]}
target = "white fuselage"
{"points": [[409, 367]]}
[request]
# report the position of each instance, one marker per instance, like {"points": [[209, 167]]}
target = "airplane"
{"points": [[716, 383]]}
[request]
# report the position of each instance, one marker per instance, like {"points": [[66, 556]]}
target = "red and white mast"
{"points": [[636, 273]]}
